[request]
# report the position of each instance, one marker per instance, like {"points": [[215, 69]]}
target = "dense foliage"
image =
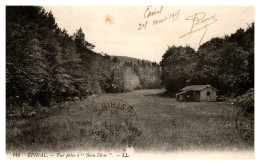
{"points": [[44, 64], [226, 63], [246, 100]]}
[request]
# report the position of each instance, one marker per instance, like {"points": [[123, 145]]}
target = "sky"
{"points": [[145, 32]]}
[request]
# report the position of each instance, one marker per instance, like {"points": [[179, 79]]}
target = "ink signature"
{"points": [[197, 20]]}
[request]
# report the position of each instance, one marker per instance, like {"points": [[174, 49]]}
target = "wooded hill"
{"points": [[125, 59], [45, 65]]}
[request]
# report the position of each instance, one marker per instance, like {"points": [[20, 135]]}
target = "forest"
{"points": [[227, 63], [45, 65]]}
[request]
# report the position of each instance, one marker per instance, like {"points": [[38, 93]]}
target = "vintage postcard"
{"points": [[130, 82]]}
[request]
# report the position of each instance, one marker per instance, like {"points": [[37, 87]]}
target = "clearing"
{"points": [[165, 125]]}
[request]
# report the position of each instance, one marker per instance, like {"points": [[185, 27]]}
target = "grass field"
{"points": [[165, 125]]}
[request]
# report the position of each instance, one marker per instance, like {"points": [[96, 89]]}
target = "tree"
{"points": [[27, 67], [177, 65], [81, 44], [225, 63]]}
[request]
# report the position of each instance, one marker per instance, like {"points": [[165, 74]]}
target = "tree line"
{"points": [[227, 63], [45, 65]]}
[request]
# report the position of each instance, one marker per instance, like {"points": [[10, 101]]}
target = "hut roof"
{"points": [[197, 88]]}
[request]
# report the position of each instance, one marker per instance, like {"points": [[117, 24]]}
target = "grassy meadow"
{"points": [[166, 125]]}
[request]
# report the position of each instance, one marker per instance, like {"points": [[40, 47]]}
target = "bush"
{"points": [[246, 100]]}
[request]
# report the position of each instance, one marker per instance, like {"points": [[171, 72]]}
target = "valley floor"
{"points": [[165, 124]]}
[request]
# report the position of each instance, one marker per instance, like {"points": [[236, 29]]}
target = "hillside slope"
{"points": [[124, 59]]}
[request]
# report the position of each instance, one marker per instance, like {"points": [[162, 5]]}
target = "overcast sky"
{"points": [[114, 30]]}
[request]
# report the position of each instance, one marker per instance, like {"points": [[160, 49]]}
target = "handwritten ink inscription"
{"points": [[200, 22], [150, 13], [142, 25], [173, 16], [155, 16]]}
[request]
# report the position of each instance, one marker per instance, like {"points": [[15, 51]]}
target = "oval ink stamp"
{"points": [[245, 124], [114, 122]]}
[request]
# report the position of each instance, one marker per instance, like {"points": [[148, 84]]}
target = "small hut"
{"points": [[197, 93]]}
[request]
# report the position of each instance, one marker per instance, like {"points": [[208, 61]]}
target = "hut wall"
{"points": [[208, 94]]}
